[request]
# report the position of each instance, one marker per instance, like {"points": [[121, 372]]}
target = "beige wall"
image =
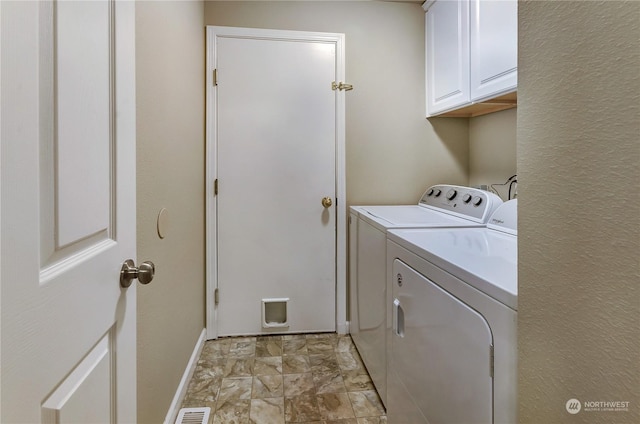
{"points": [[170, 114], [392, 151], [492, 149], [579, 227]]}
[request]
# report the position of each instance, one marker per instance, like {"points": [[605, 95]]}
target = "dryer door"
{"points": [[441, 353]]}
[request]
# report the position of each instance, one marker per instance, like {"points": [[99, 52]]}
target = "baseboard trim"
{"points": [[172, 414]]}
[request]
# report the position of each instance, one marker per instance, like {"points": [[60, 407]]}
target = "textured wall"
{"points": [[579, 226], [492, 149], [170, 93], [392, 151]]}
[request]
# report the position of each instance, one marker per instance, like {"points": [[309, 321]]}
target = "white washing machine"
{"points": [[441, 206], [453, 355]]}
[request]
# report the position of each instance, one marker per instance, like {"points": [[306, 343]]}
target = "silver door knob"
{"points": [[144, 273]]}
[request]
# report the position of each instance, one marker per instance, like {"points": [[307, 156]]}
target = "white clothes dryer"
{"points": [[453, 355], [441, 206]]}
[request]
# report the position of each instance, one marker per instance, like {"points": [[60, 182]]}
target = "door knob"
{"points": [[327, 202], [144, 273]]}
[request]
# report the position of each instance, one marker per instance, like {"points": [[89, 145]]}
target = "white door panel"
{"points": [[275, 160], [68, 211], [81, 112]]}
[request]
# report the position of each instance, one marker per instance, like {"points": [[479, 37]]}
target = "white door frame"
{"points": [[211, 171]]}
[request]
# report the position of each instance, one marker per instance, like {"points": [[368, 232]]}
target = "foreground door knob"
{"points": [[129, 272], [327, 202]]}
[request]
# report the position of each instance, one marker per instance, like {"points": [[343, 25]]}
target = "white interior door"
{"points": [[275, 160], [68, 211]]}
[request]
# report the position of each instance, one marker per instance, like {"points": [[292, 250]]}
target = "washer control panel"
{"points": [[470, 203]]}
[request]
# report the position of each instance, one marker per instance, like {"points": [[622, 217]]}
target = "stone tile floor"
{"points": [[313, 379]]}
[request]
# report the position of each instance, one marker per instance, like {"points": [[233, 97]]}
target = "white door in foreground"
{"points": [[67, 211]]}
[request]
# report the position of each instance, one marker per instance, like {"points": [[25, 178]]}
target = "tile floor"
{"points": [[312, 379]]}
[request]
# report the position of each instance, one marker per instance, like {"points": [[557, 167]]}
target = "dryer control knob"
{"points": [[477, 200], [437, 192], [466, 198], [451, 194]]}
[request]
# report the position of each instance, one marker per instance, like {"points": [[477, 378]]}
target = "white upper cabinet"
{"points": [[471, 56], [447, 56], [493, 48]]}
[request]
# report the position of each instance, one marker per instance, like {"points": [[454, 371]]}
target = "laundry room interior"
{"points": [[569, 145]]}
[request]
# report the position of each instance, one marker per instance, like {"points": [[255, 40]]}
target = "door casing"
{"points": [[211, 171]]}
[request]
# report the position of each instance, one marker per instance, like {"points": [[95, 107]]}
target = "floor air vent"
{"points": [[193, 416]]}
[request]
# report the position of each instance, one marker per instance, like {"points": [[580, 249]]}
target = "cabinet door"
{"points": [[494, 48], [447, 56]]}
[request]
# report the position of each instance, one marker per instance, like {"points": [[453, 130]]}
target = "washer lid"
{"points": [[413, 216], [483, 258]]}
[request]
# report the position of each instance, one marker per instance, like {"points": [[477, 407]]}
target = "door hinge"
{"points": [[341, 86], [216, 296], [215, 77], [215, 187], [491, 360]]}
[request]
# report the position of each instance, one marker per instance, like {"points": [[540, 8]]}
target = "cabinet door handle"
{"points": [[398, 318]]}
